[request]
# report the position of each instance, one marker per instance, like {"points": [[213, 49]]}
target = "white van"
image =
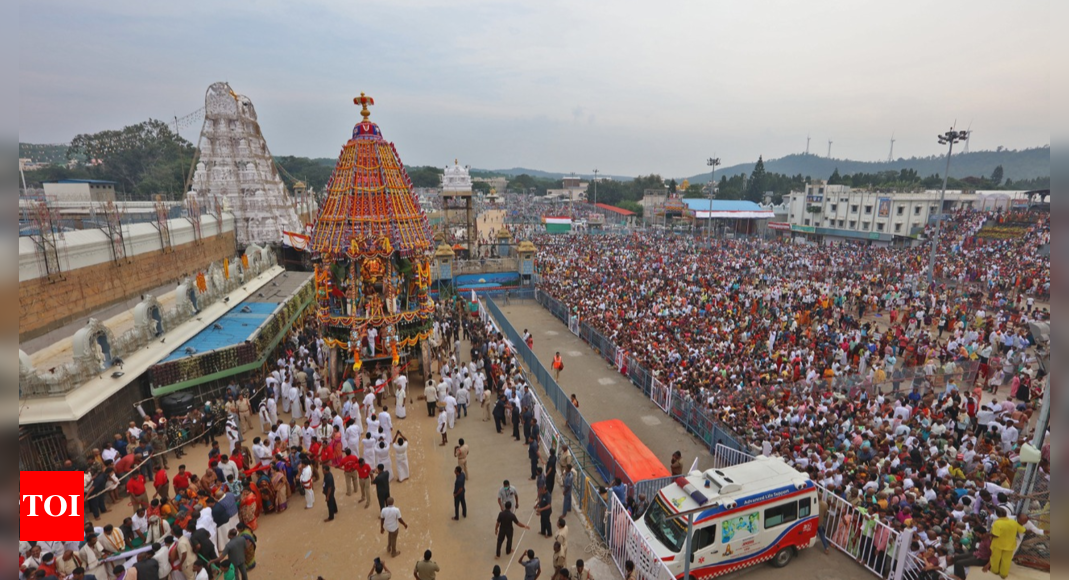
{"points": [[756, 512]]}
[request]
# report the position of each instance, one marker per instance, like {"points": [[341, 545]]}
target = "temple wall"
{"points": [[91, 279]]}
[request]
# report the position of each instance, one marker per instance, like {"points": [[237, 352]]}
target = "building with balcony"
{"points": [[836, 213]]}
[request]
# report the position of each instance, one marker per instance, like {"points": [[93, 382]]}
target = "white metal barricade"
{"points": [[627, 544], [661, 395]]}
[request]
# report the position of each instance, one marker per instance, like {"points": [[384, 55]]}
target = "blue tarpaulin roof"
{"points": [[722, 205], [237, 327]]}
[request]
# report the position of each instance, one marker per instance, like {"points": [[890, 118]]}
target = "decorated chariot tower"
{"points": [[372, 251]]}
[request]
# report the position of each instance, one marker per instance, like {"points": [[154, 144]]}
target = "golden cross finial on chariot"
{"points": [[364, 100]]}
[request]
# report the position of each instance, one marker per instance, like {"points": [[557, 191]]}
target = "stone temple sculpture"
{"points": [[235, 170]]}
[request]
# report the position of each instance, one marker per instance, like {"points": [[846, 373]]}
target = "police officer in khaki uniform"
{"points": [[426, 569], [461, 452]]}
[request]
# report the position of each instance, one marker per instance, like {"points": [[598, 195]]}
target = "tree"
{"points": [[480, 187], [146, 158], [996, 176], [425, 176], [694, 191], [631, 206], [755, 190], [315, 173], [672, 185], [835, 178]]}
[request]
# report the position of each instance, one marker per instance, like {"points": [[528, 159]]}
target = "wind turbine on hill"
{"points": [[891, 155]]}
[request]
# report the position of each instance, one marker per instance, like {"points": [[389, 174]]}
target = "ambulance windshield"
{"points": [[670, 532]]}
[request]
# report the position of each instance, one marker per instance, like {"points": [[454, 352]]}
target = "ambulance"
{"points": [[753, 513]]}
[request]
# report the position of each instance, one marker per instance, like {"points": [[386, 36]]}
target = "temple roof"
{"points": [[370, 200]]}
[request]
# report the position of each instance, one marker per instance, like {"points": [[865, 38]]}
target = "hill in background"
{"points": [[1017, 165]]}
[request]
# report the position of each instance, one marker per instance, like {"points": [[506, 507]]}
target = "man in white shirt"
{"points": [[401, 383], [369, 403], [386, 422], [109, 454], [229, 467], [1009, 436], [390, 522]]}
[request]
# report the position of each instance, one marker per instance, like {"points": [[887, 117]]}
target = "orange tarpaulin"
{"points": [[624, 455]]}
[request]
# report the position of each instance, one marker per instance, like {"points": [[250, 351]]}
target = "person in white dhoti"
{"points": [[233, 434], [306, 485], [400, 456], [402, 395], [295, 402], [367, 450], [451, 410], [352, 434], [443, 426], [315, 416], [272, 410], [386, 422], [373, 425], [372, 334], [265, 417], [382, 457]]}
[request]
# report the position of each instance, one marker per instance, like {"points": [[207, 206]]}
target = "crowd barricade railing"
{"points": [[627, 543]]}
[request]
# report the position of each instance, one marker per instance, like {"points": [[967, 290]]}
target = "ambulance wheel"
{"points": [[783, 557]]}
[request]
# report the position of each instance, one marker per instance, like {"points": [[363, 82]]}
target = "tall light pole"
{"points": [[712, 162], [595, 187], [949, 138]]}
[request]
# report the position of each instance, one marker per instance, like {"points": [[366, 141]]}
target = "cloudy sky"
{"points": [[630, 87]]}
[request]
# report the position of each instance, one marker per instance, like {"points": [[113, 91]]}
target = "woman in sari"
{"points": [[248, 509], [336, 448], [281, 487], [266, 492], [250, 545]]}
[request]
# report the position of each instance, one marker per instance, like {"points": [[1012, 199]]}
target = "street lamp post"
{"points": [[595, 187], [712, 162], [949, 138]]}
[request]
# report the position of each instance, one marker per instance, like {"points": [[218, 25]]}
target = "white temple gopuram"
{"points": [[235, 170]]}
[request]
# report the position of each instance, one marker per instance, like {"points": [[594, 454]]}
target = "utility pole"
{"points": [[595, 187], [712, 162], [949, 138]]}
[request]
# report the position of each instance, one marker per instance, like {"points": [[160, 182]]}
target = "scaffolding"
{"points": [[112, 227], [162, 226], [48, 238]]}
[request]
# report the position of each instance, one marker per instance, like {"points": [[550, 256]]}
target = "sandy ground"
{"points": [[298, 544]]}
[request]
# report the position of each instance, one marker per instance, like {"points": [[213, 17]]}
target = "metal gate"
{"points": [[42, 448], [661, 395]]}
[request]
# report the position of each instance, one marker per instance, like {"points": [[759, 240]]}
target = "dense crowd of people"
{"points": [[909, 400]]}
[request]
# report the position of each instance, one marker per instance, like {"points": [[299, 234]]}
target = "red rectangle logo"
{"points": [[51, 506]]}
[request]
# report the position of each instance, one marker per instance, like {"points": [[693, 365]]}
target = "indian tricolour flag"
{"points": [[557, 225]]}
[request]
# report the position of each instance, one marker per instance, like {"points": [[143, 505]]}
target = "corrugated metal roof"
{"points": [[614, 209]]}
